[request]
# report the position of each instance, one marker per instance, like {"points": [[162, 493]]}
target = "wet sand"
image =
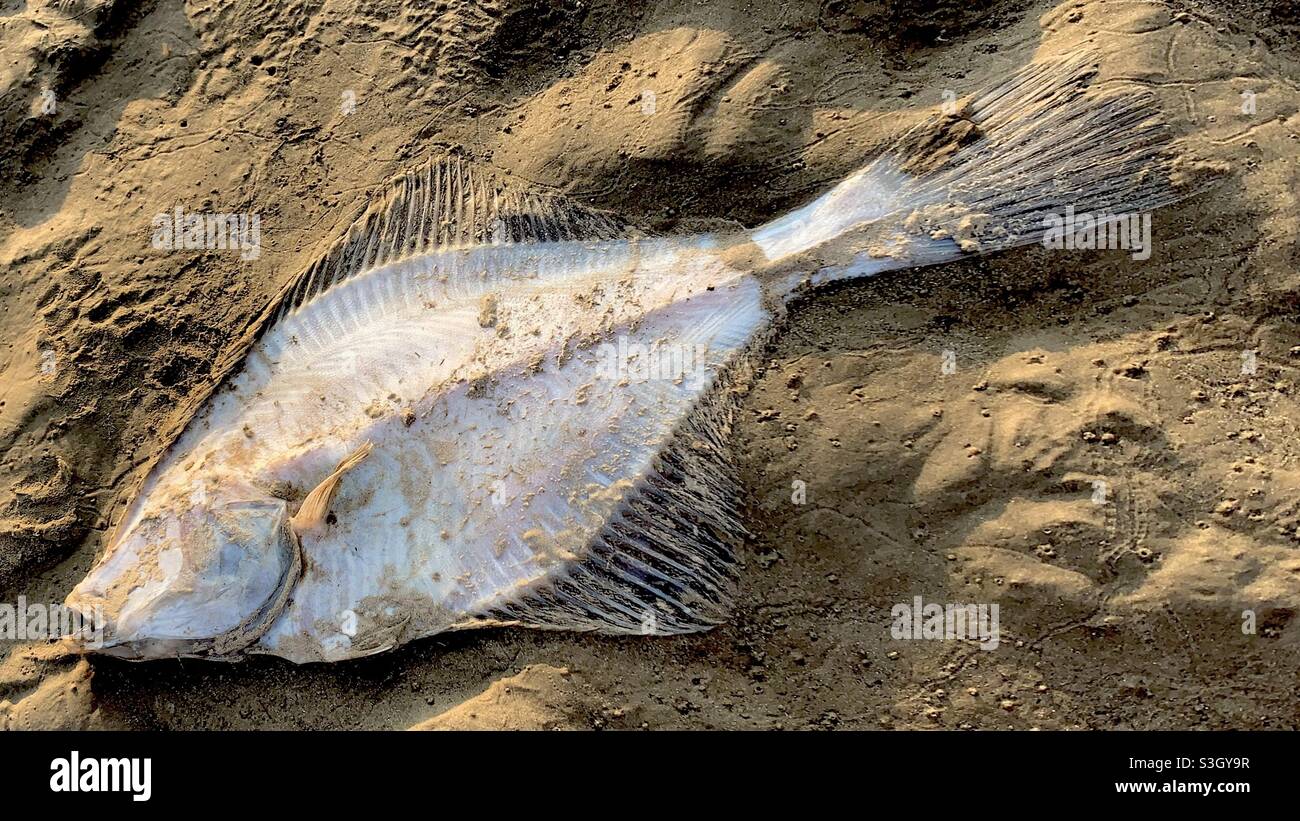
{"points": [[952, 427]]}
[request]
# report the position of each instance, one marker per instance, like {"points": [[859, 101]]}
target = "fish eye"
{"points": [[254, 506], [247, 521]]}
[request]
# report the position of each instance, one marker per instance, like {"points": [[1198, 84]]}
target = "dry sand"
{"points": [[1071, 367]]}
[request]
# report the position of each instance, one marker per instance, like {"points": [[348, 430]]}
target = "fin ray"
{"points": [[665, 563], [455, 204], [987, 177]]}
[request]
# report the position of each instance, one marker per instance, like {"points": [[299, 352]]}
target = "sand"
{"points": [[1096, 462]]}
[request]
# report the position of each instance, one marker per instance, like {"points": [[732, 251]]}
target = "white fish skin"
{"points": [[509, 482], [478, 496], [517, 474]]}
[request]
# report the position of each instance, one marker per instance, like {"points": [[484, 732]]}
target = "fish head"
{"points": [[186, 572]]}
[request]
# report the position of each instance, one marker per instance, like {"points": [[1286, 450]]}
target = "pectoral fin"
{"points": [[311, 515]]}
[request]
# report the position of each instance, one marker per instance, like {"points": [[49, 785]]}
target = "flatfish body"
{"points": [[510, 416], [489, 405], [518, 397]]}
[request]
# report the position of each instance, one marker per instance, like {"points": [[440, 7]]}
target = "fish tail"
{"points": [[1008, 167]]}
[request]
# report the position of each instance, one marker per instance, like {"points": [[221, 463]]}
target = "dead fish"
{"points": [[489, 405]]}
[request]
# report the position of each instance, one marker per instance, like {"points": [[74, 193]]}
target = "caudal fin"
{"points": [[995, 173]]}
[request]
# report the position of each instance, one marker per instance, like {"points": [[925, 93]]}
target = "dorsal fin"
{"points": [[447, 202]]}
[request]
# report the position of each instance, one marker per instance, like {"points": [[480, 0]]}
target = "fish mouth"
{"points": [[231, 645]]}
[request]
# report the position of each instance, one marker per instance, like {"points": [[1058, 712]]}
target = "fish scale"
{"points": [[447, 420]]}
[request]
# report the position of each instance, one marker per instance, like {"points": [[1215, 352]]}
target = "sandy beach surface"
{"points": [[1105, 447]]}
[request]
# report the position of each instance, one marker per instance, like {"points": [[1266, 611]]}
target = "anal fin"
{"points": [[665, 563]]}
